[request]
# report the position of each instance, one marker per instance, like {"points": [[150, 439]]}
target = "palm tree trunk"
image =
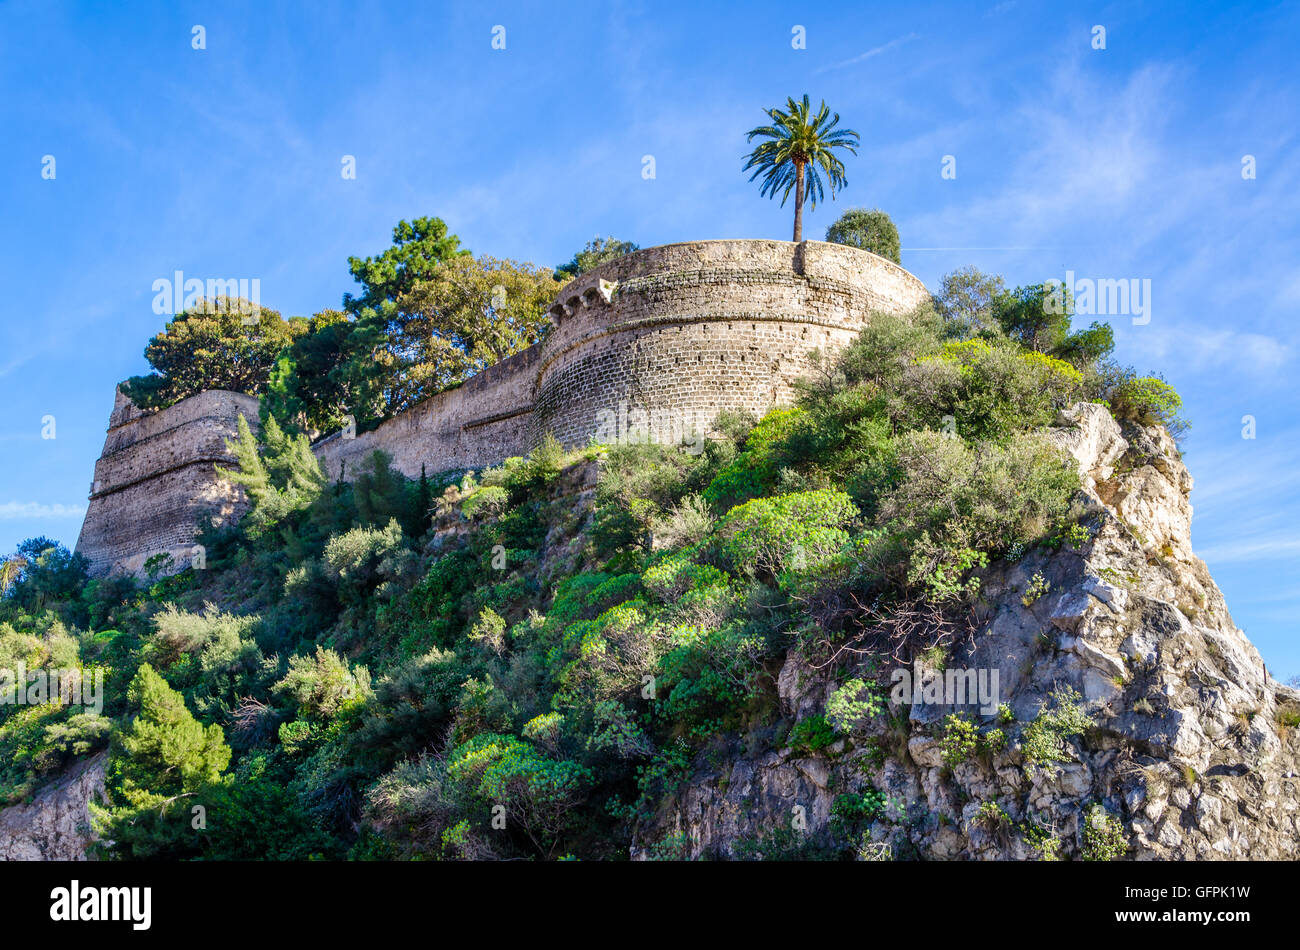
{"points": [[798, 203]]}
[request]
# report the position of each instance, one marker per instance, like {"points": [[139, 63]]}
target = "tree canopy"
{"points": [[870, 230], [223, 343], [593, 254], [280, 476], [467, 314], [419, 246], [325, 375]]}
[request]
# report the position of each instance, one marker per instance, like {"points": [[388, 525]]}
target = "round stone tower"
{"points": [[660, 341]]}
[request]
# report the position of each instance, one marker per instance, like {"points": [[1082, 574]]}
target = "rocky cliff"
{"points": [[1174, 744], [56, 824]]}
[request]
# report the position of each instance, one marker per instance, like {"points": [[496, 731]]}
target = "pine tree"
{"points": [[165, 752], [281, 476], [163, 757]]}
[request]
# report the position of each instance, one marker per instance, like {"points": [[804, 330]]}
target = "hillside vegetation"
{"points": [[526, 661]]}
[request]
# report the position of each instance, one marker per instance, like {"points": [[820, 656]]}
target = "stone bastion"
{"points": [[155, 481], [651, 346]]}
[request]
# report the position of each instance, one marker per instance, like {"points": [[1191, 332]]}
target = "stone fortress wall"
{"points": [[484, 420], [684, 331], [652, 345], [155, 480]]}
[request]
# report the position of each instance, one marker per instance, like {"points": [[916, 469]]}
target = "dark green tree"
{"points": [[1039, 316], [45, 573], [280, 475], [870, 230], [164, 757], [328, 374], [595, 253], [418, 248], [1031, 317], [220, 344], [1088, 347]]}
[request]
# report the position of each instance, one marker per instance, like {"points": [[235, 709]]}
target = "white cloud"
{"points": [[1197, 349], [1255, 549], [1097, 167], [12, 510], [869, 54]]}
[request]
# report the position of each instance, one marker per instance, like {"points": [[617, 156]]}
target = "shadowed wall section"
{"points": [[155, 480]]}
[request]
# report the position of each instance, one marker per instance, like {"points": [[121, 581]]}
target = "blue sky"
{"points": [[225, 162]]}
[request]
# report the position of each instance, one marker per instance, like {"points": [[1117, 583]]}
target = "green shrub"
{"points": [[437, 598], [796, 531], [995, 740], [853, 704], [485, 501], [1038, 586], [708, 677], [537, 792], [754, 471], [990, 391], [852, 813], [870, 230], [80, 734], [959, 739], [1149, 400], [1045, 738], [811, 736], [1047, 844], [162, 754], [355, 557], [992, 815], [958, 501], [1103, 836], [322, 685], [489, 631]]}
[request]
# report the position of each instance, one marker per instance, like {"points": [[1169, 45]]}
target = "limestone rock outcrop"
{"points": [[1190, 751], [55, 825]]}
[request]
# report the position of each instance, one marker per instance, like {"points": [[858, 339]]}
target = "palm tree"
{"points": [[10, 570], [800, 143]]}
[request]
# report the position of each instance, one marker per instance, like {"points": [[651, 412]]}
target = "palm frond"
{"points": [[798, 136]]}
